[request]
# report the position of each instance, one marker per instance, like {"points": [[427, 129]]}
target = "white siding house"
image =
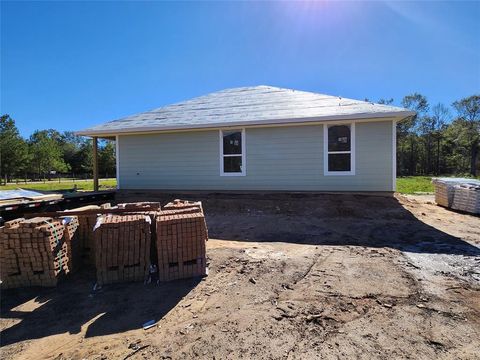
{"points": [[258, 138]]}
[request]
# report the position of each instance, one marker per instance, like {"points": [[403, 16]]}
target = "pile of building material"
{"points": [[87, 221], [36, 252], [119, 239], [122, 248], [138, 206], [11, 200], [73, 242], [458, 193], [86, 246], [181, 235], [184, 206], [85, 233], [443, 192], [467, 198]]}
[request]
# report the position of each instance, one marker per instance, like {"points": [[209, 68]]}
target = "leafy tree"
{"points": [[106, 159], [70, 144], [13, 149], [407, 129], [46, 152], [429, 127], [455, 146], [440, 117], [76, 152], [84, 158], [468, 110], [385, 101]]}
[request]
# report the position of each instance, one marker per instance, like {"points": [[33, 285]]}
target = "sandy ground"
{"points": [[298, 277]]}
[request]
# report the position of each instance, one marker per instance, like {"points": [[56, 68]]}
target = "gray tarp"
{"points": [[18, 194]]}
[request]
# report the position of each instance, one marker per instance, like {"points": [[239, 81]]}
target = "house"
{"points": [[257, 138]]}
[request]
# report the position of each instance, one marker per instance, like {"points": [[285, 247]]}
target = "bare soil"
{"points": [[291, 277]]}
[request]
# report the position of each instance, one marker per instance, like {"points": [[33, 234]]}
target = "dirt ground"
{"points": [[290, 277]]}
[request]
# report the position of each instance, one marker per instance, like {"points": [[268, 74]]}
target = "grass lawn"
{"points": [[405, 185], [104, 184], [414, 184]]}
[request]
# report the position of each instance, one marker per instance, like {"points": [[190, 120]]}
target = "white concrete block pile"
{"points": [[458, 193]]}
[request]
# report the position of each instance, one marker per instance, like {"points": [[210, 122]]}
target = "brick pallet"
{"points": [[34, 252], [122, 248], [181, 243], [85, 235], [86, 245]]}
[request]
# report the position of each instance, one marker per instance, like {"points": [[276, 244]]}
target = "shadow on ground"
{"points": [[317, 219], [114, 309]]}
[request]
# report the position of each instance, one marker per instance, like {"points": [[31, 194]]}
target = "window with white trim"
{"points": [[232, 152], [339, 145]]}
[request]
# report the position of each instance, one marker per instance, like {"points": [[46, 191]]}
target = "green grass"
{"points": [[419, 184], [405, 185], [54, 185], [414, 184]]}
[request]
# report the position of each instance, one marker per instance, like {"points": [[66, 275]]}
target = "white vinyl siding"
{"points": [[288, 158]]}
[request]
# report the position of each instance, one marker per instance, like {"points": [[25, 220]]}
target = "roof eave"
{"points": [[398, 115]]}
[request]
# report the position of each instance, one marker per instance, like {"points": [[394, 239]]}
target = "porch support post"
{"points": [[95, 163]]}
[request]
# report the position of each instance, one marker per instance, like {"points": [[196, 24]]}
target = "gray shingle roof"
{"points": [[247, 106]]}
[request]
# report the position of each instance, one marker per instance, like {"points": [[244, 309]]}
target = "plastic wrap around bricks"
{"points": [[458, 193]]}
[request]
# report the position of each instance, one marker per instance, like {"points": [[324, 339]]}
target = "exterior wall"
{"points": [[288, 158]]}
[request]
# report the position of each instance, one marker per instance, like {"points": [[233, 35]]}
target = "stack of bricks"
{"points": [[178, 206], [34, 252], [137, 206], [85, 236], [122, 248], [72, 239], [181, 240], [86, 224]]}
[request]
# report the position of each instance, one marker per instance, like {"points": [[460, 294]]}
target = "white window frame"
{"points": [[326, 172], [243, 154]]}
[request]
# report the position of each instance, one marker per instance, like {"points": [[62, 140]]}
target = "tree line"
{"points": [[438, 140], [49, 153]]}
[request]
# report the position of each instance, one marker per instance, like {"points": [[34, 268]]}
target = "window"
{"points": [[339, 149], [232, 152]]}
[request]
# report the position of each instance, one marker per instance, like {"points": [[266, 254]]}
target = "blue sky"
{"points": [[70, 65]]}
